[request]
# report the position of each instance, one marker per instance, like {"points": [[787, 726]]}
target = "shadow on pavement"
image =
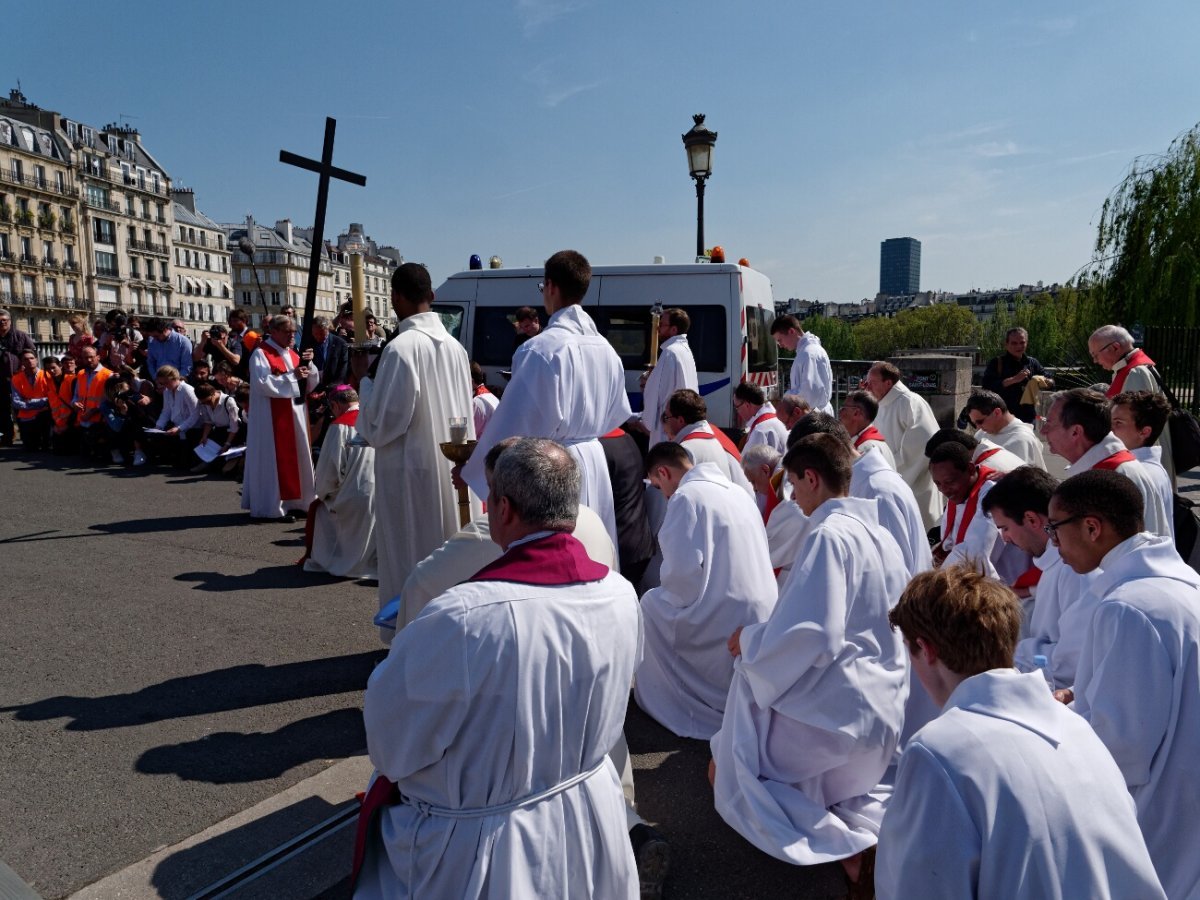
{"points": [[173, 523], [266, 578], [229, 757], [237, 687], [189, 871]]}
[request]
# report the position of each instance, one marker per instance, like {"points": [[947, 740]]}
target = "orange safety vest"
{"points": [[60, 403], [40, 388], [91, 393]]}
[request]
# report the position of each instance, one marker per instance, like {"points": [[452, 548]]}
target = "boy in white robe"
{"points": [[857, 416], [1005, 794], [811, 375], [1139, 419], [676, 370], [716, 575], [1138, 679], [762, 424], [816, 705], [1019, 504], [342, 519], [422, 381], [568, 384], [279, 469], [686, 423], [490, 721], [990, 414]]}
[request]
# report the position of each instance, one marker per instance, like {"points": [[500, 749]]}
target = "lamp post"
{"points": [[247, 247], [699, 143]]}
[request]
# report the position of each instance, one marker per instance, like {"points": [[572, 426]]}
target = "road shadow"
{"points": [[267, 578], [189, 871], [237, 687], [230, 757], [173, 523]]}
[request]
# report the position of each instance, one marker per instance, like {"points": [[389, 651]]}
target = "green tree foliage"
{"points": [[939, 325], [837, 337], [1147, 252]]}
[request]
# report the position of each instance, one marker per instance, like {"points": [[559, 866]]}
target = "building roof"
{"points": [[31, 139], [184, 216]]}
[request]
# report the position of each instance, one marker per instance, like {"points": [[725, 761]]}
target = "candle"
{"points": [[357, 298], [458, 430]]}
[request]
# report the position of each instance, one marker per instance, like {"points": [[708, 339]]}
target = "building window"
{"points": [[60, 182], [102, 231], [133, 268], [106, 264], [17, 171], [39, 176], [97, 196]]}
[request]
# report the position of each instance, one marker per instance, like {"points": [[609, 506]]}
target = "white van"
{"points": [[731, 309]]}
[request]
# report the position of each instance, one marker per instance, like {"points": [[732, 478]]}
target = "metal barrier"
{"points": [[1176, 353]]}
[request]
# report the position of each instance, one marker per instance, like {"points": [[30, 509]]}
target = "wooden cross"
{"points": [[326, 169]]}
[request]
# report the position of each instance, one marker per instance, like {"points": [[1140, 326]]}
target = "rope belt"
{"points": [[428, 809]]}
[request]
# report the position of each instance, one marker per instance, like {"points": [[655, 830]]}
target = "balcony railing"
{"points": [[161, 220], [97, 203], [149, 247], [50, 262], [70, 265], [121, 179], [41, 184], [5, 256], [108, 272], [28, 259]]}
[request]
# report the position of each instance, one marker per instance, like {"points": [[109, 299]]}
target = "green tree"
{"points": [[837, 337], [876, 337], [1147, 252]]}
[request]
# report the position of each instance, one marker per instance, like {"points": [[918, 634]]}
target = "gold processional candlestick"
{"points": [[655, 318], [458, 450], [358, 298]]}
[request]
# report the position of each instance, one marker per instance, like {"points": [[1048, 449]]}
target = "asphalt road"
{"points": [[165, 665]]}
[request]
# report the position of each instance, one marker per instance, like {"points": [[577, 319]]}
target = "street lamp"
{"points": [[699, 143], [247, 247]]}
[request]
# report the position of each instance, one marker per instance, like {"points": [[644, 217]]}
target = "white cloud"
{"points": [[535, 14], [996, 149], [555, 90]]}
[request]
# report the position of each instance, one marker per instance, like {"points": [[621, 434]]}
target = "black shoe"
{"points": [[653, 855]]}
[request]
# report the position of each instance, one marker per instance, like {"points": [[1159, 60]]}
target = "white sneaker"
{"points": [[118, 457], [139, 458]]}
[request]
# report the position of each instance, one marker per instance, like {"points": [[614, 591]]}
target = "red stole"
{"points": [[1029, 578], [1118, 459], [283, 427], [615, 433], [480, 389], [870, 433], [972, 504], [1136, 358], [988, 454], [716, 435], [553, 561], [769, 507], [349, 417], [765, 417]]}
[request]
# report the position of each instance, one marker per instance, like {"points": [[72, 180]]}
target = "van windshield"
{"points": [[762, 352], [496, 336], [452, 317], [628, 330]]}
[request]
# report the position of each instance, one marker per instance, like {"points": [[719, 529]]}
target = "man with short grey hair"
{"points": [[531, 658]]}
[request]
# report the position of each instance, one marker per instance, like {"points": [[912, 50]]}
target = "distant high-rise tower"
{"points": [[900, 266]]}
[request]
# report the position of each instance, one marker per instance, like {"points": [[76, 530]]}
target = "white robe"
{"points": [[676, 370], [1019, 439], [496, 692], [872, 479], [344, 528], [1002, 460], [1007, 794], [1138, 684], [816, 704], [761, 430], [786, 530], [812, 375], [907, 424], [260, 484], [1140, 378], [423, 379], [716, 577], [874, 446], [567, 384], [482, 407], [1155, 511], [1151, 459], [703, 450], [1063, 605]]}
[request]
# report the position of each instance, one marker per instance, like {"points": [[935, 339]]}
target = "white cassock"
{"points": [[978, 544], [279, 469], [1063, 604], [866, 441], [995, 457], [812, 375], [483, 404], [423, 379], [1008, 794], [816, 704], [1101, 456], [344, 517], [1151, 460], [765, 428], [700, 441], [716, 577], [494, 713], [568, 384], [1018, 438], [871, 478], [1138, 684], [676, 370], [786, 530], [1140, 378], [907, 424]]}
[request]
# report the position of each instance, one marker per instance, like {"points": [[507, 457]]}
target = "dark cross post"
{"points": [[326, 169]]}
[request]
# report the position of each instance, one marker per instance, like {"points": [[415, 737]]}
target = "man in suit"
{"points": [[331, 356]]}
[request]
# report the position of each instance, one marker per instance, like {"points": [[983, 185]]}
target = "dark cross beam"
{"points": [[326, 169]]}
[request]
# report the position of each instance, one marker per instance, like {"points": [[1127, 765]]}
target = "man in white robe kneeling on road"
{"points": [[716, 575], [816, 706], [490, 721], [1005, 794]]}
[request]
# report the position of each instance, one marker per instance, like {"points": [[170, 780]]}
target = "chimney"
{"points": [[284, 228], [185, 197]]}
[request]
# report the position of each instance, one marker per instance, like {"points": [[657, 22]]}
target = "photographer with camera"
{"points": [[124, 413]]}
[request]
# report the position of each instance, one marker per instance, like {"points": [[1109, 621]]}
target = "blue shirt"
{"points": [[175, 351]]}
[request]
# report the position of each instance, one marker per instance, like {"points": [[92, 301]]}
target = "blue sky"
{"points": [[990, 131]]}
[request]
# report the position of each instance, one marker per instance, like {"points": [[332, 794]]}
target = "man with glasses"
{"points": [[1009, 373], [857, 415], [279, 469], [1111, 347], [990, 414], [1138, 680], [168, 347], [1078, 428]]}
